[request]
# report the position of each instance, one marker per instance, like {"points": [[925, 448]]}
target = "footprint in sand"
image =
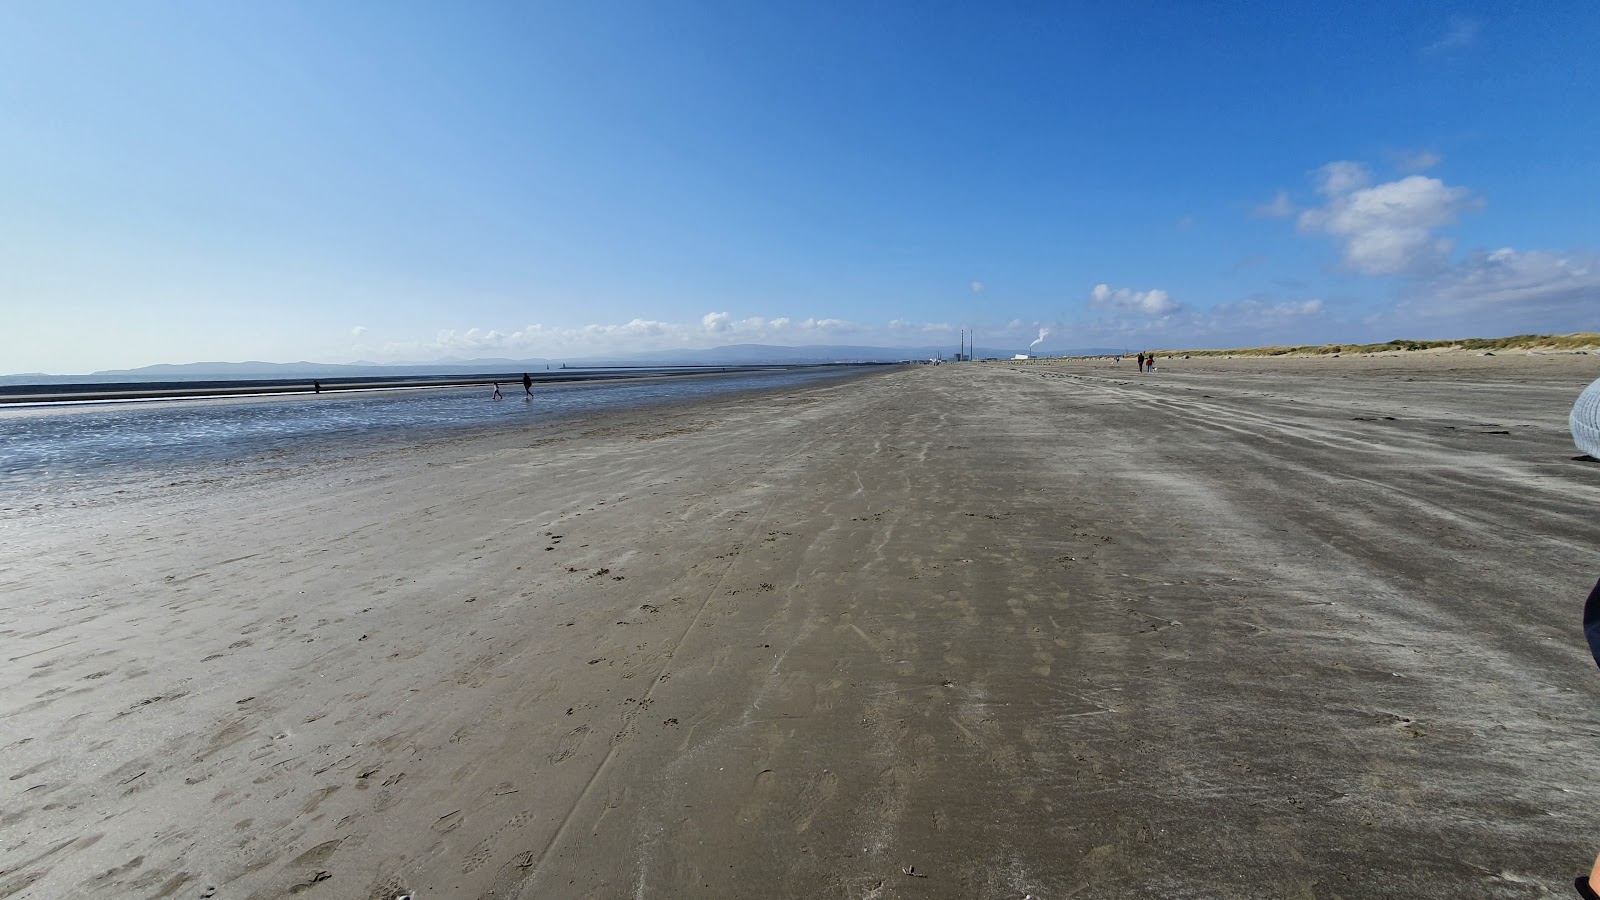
{"points": [[388, 887], [315, 800], [303, 873], [569, 744], [484, 851]]}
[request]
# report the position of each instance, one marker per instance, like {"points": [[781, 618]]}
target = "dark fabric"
{"points": [[1591, 630], [1591, 622]]}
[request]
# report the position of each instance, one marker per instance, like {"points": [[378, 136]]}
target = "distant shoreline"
{"points": [[249, 387]]}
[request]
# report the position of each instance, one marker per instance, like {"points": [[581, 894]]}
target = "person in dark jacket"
{"points": [[1591, 630]]}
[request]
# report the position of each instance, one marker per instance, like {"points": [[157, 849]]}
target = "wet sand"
{"points": [[282, 388], [1265, 628]]}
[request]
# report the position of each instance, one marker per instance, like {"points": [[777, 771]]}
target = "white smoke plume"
{"points": [[1043, 333]]}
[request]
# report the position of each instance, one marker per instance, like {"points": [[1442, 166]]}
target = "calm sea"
{"points": [[44, 450]]}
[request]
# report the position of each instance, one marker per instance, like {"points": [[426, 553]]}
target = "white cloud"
{"points": [[358, 331], [1257, 320], [1506, 280], [1257, 311], [1412, 163], [1154, 302], [1249, 262], [1341, 177], [1145, 317], [757, 327], [542, 340], [976, 286], [1386, 229], [632, 328], [907, 325], [1278, 207], [829, 325], [1460, 34], [1393, 229]]}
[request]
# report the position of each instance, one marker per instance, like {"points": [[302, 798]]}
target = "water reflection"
{"points": [[40, 448]]}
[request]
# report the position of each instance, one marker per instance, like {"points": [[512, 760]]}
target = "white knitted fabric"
{"points": [[1585, 421]]}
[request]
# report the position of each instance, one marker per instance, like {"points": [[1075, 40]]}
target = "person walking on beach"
{"points": [[1141, 360], [527, 384], [316, 386], [496, 391]]}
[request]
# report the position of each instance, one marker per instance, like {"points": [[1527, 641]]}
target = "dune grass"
{"points": [[1583, 340]]}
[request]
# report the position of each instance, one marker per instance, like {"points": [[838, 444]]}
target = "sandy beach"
{"points": [[1302, 628]]}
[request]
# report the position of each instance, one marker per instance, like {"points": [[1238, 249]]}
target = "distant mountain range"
{"points": [[734, 354]]}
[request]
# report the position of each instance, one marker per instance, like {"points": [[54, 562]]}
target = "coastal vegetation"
{"points": [[1583, 340]]}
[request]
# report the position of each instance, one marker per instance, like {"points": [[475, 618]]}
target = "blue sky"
{"points": [[405, 181]]}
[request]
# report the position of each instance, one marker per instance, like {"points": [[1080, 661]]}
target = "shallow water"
{"points": [[48, 448]]}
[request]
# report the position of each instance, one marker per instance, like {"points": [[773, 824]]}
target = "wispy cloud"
{"points": [[1530, 281], [358, 331], [1249, 262], [904, 326], [1459, 34], [635, 335], [1341, 177], [1417, 162], [976, 287], [1253, 320], [1259, 310], [1154, 302], [711, 329], [1279, 207]]}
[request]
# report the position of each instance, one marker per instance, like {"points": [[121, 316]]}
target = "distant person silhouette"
{"points": [[1141, 362], [316, 386], [527, 384], [497, 395]]}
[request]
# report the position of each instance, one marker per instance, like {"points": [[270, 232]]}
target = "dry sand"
{"points": [[1242, 628]]}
